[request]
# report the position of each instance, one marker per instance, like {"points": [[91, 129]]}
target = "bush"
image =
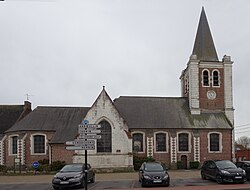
{"points": [[179, 165], [3, 169], [57, 165], [138, 160], [194, 165]]}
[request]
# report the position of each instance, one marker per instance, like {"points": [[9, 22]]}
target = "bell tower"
{"points": [[206, 81]]}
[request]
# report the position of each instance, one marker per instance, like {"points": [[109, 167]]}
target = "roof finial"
{"points": [[103, 87]]}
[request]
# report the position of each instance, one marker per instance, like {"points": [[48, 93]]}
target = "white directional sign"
{"points": [[80, 142], [84, 130], [90, 126], [86, 135], [93, 136], [86, 147]]}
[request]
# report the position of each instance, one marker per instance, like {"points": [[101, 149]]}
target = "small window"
{"points": [[183, 142], [138, 142], [161, 142], [214, 142], [205, 78], [215, 78], [39, 144], [13, 145]]}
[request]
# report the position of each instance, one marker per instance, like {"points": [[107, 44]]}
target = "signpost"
{"points": [[35, 166], [87, 133]]}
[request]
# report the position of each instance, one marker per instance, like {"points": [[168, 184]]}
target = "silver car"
{"points": [[73, 175]]}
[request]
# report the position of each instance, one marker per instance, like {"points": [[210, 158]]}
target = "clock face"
{"points": [[211, 95]]}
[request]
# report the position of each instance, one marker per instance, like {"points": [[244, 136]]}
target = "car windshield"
{"points": [[153, 167], [72, 168], [226, 164]]}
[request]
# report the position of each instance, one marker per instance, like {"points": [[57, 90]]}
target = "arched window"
{"points": [[138, 142], [214, 142], [161, 142], [216, 78], [183, 142], [105, 143], [205, 78], [13, 144], [38, 144]]}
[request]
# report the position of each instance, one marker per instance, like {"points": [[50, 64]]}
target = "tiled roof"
{"points": [[63, 121], [9, 114], [164, 112]]}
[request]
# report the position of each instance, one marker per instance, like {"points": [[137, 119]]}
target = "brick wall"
{"points": [[58, 152]]}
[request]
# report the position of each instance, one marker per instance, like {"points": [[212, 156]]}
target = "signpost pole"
{"points": [[86, 170]]}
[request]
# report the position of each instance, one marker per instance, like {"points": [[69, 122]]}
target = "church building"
{"points": [[197, 126]]}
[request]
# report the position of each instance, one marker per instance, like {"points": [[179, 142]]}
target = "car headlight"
{"points": [[55, 176], [166, 176], [224, 172], [243, 171], [77, 176], [146, 177]]}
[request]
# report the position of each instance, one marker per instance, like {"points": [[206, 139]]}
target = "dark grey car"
{"points": [[222, 171], [153, 174], [245, 165], [73, 175]]}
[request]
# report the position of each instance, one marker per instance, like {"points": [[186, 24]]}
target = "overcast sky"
{"points": [[62, 52]]}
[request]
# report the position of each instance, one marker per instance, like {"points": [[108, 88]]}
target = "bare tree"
{"points": [[244, 141]]}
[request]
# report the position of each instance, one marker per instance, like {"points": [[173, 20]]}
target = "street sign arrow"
{"points": [[92, 136], [89, 147], [80, 142], [84, 130], [90, 126]]}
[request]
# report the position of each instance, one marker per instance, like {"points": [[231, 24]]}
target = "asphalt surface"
{"points": [[180, 180], [174, 174]]}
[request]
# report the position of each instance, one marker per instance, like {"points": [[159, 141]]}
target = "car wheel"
{"points": [[167, 185], [203, 176], [55, 188], [92, 180], [219, 179], [82, 183], [142, 184]]}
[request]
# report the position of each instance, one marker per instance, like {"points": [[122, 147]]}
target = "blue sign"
{"points": [[35, 164], [85, 122]]}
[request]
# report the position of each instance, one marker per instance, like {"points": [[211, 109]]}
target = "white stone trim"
{"points": [[202, 78], [220, 141], [22, 152], [193, 73], [197, 149], [150, 146], [2, 152], [219, 78], [173, 149], [10, 144], [167, 144]]}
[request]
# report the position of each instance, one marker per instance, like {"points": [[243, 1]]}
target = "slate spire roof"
{"points": [[204, 46]]}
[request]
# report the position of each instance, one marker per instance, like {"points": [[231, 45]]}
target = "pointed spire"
{"points": [[204, 46]]}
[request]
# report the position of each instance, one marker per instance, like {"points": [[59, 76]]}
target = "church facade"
{"points": [[194, 127]]}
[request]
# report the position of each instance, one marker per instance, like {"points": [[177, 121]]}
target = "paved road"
{"points": [[180, 180], [174, 174]]}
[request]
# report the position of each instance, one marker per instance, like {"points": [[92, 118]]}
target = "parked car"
{"points": [[73, 175], [222, 171], [153, 173], [245, 165]]}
